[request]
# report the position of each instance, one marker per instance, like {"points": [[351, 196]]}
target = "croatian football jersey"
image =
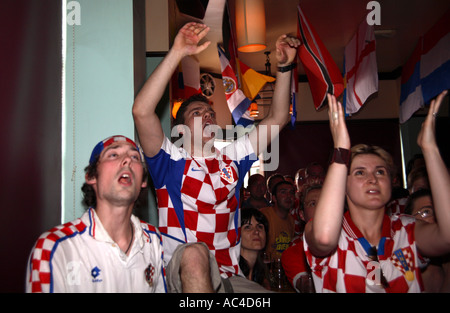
{"points": [[80, 256], [350, 270], [198, 199], [294, 262]]}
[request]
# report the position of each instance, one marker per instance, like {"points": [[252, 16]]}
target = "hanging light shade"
{"points": [[176, 106], [254, 109], [250, 25]]}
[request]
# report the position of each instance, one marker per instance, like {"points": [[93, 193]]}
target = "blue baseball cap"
{"points": [[107, 142]]}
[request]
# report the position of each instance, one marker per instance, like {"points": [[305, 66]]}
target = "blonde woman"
{"points": [[362, 249]]}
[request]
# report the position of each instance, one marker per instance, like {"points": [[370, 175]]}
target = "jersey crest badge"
{"points": [[149, 273], [403, 259], [227, 174]]}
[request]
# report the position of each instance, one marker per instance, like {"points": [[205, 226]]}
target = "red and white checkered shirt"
{"points": [[80, 256], [294, 262], [349, 269], [397, 206], [198, 199]]}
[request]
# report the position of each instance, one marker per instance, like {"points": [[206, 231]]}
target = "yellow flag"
{"points": [[252, 81]]}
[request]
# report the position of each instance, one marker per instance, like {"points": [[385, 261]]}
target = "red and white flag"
{"points": [[360, 68]]}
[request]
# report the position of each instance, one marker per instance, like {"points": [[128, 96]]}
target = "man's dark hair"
{"points": [[277, 186], [179, 117], [270, 180], [413, 197]]}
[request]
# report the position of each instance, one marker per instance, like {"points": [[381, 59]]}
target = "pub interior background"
{"points": [[65, 87]]}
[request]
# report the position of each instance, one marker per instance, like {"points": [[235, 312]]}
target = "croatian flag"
{"points": [[237, 102], [427, 72], [360, 68], [323, 74]]}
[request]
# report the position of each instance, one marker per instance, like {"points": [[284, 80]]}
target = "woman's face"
{"points": [[253, 235], [309, 206], [368, 183]]}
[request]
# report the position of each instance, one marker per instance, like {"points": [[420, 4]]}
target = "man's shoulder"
{"points": [[149, 227], [49, 240], [267, 210], [170, 150]]}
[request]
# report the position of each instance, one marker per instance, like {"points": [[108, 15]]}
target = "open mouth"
{"points": [[125, 179]]}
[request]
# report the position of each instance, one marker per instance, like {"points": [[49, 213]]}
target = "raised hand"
{"points": [[188, 38], [338, 127], [427, 135], [286, 49]]}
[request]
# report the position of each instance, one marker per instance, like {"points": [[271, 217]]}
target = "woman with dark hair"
{"points": [[254, 229]]}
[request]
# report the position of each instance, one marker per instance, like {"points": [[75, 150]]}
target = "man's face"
{"points": [[258, 189], [285, 196], [119, 175], [200, 118]]}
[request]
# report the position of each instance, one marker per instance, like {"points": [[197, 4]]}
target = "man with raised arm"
{"points": [[198, 185]]}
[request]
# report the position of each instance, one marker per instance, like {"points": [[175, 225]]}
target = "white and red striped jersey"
{"points": [[350, 270], [80, 256], [198, 199]]}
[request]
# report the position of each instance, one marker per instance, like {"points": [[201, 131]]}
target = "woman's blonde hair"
{"points": [[378, 151]]}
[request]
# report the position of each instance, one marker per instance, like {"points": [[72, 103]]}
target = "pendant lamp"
{"points": [[250, 25], [254, 110]]}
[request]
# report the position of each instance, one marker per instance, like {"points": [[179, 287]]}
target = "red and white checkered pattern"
{"points": [[409, 259], [294, 261], [349, 269], [205, 193], [39, 264], [80, 256], [397, 206]]}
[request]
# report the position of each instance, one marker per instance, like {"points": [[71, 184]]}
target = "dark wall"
{"points": [[312, 142], [30, 130]]}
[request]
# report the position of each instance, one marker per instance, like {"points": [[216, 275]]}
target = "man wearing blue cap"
{"points": [[108, 249]]}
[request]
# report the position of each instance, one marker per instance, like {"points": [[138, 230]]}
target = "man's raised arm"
{"points": [[147, 122], [278, 116]]}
